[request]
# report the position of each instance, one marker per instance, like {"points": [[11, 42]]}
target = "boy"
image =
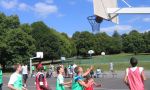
{"points": [[15, 81], [25, 74], [135, 77], [60, 79], [78, 83]]}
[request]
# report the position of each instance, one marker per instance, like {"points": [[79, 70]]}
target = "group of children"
{"points": [[78, 82], [134, 78]]}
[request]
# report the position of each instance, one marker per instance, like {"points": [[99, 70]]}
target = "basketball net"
{"points": [[95, 22]]}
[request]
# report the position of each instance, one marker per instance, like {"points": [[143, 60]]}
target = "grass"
{"points": [[121, 61]]}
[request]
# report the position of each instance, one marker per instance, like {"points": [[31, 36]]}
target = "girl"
{"points": [[60, 79], [78, 83], [91, 82]]}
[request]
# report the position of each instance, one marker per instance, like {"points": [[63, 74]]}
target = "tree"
{"points": [[52, 43], [84, 41], [146, 37], [133, 42], [116, 43], [7, 23], [102, 43], [20, 46]]}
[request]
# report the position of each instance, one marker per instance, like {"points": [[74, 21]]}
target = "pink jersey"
{"points": [[135, 80], [89, 88], [38, 82]]}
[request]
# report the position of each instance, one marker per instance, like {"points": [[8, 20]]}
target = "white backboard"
{"points": [[39, 54], [63, 58], [100, 9]]}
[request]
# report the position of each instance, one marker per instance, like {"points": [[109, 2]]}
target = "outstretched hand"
{"points": [[91, 68], [98, 85]]}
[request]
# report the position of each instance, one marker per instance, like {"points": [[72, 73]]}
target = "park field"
{"points": [[121, 61]]}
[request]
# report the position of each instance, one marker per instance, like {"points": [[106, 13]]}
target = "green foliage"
{"points": [[84, 42], [102, 43], [116, 43], [20, 46], [52, 43], [133, 42]]}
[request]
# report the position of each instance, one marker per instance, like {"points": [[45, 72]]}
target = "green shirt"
{"points": [[45, 67], [33, 68], [75, 84], [16, 81], [1, 76], [60, 80]]}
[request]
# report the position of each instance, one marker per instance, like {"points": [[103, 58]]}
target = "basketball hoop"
{"points": [[95, 22]]}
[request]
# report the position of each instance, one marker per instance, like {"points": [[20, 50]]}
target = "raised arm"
{"points": [[83, 83], [88, 71]]}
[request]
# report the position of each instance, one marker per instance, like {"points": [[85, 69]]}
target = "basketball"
{"points": [[98, 19]]}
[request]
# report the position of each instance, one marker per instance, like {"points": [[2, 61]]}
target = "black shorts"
{"points": [[25, 76]]}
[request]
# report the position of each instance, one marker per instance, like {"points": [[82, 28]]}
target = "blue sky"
{"points": [[70, 16]]}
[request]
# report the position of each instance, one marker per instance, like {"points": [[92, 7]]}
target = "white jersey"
{"points": [[25, 69], [133, 69]]}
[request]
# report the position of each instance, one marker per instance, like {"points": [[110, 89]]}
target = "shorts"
{"points": [[1, 86], [25, 76]]}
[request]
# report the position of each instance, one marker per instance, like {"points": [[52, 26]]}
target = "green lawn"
{"points": [[121, 61]]}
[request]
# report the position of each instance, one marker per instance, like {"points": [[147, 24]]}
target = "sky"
{"points": [[70, 16]]}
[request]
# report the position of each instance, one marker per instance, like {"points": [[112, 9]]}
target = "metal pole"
{"points": [[30, 66]]}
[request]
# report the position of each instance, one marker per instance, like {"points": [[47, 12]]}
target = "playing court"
{"points": [[108, 83]]}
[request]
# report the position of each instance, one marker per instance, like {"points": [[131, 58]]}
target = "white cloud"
{"points": [[146, 19], [23, 6], [44, 9], [120, 28], [41, 9], [8, 4]]}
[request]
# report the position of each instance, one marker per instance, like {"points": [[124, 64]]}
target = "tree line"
{"points": [[19, 42], [133, 42]]}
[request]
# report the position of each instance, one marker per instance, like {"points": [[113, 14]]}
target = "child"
{"points": [[15, 82], [60, 79], [135, 77], [1, 77], [91, 82], [40, 80], [78, 83]]}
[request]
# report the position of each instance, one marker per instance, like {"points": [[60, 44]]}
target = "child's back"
{"points": [[90, 83], [75, 83]]}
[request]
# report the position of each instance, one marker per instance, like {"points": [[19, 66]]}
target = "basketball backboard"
{"points": [[100, 9], [39, 54]]}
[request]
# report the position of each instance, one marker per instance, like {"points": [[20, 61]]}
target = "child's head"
{"points": [[87, 77], [18, 67], [133, 62], [78, 70], [60, 69]]}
